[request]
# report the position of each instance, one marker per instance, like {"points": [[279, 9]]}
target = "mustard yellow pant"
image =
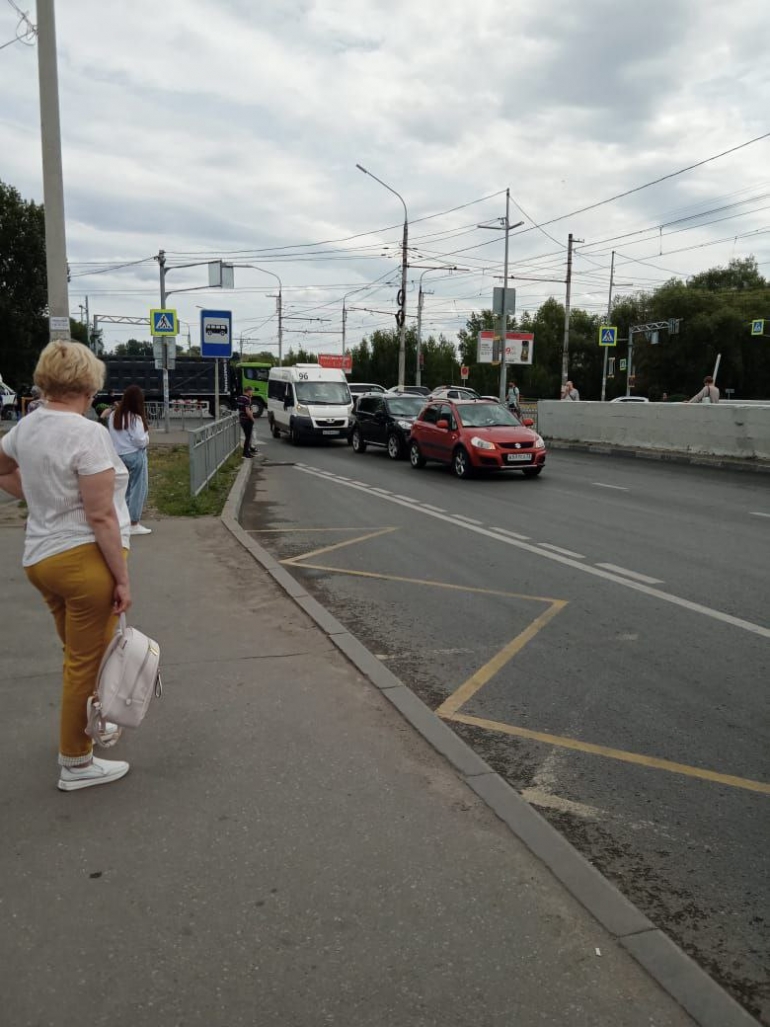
{"points": [[78, 587]]}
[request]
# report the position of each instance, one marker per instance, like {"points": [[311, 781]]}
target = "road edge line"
{"points": [[667, 964]]}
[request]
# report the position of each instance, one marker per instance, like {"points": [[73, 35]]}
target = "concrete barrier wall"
{"points": [[726, 430]]}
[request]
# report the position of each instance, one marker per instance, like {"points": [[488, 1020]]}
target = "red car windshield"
{"points": [[486, 415]]}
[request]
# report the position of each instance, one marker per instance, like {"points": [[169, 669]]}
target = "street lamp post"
{"points": [[280, 305], [420, 301], [401, 315]]}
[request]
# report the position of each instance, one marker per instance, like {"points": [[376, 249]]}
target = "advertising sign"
{"points": [[519, 347]]}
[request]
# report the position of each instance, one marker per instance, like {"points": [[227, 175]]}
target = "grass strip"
{"points": [[170, 484]]}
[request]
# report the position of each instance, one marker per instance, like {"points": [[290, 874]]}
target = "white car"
{"points": [[630, 399], [454, 392]]}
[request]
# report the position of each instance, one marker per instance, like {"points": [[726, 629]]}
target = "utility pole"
{"points": [[504, 305], [161, 258], [53, 182], [420, 301], [280, 323], [402, 306], [344, 321], [609, 318], [565, 346]]}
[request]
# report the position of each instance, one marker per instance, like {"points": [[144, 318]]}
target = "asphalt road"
{"points": [[600, 634]]}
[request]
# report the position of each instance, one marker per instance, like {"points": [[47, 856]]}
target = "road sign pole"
{"points": [[164, 372], [609, 319], [216, 389], [629, 363]]}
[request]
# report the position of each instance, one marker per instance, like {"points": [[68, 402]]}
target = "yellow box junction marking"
{"points": [[451, 707]]}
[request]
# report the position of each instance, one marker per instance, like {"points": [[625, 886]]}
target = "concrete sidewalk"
{"points": [[286, 849]]}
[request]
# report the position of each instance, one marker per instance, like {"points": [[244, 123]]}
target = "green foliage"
{"points": [[23, 292], [714, 308], [376, 359], [135, 348]]}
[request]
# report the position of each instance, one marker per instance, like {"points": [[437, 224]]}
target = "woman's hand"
{"points": [[121, 598]]}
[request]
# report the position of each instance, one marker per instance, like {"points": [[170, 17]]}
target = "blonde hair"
{"points": [[68, 368]]}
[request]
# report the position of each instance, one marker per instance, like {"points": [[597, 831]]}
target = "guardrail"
{"points": [[210, 446], [183, 412]]}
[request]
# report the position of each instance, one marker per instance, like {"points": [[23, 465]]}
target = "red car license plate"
{"points": [[518, 458]]}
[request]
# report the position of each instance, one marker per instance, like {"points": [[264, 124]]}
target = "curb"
{"points": [[672, 969], [663, 456]]}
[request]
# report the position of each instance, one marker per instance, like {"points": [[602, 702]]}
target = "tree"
{"points": [[134, 348], [23, 289]]}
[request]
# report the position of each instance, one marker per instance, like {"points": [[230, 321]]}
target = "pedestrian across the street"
{"points": [[708, 394], [569, 392], [246, 417], [512, 399]]}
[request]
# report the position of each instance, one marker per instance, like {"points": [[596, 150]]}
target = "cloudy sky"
{"points": [[232, 128]]}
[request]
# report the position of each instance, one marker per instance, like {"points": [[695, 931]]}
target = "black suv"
{"points": [[385, 420]]}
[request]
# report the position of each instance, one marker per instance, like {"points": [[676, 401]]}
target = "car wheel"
{"points": [[357, 442], [416, 459], [258, 408], [294, 436], [394, 447], [532, 472], [276, 431], [461, 463]]}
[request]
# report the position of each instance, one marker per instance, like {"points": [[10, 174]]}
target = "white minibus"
{"points": [[308, 401]]}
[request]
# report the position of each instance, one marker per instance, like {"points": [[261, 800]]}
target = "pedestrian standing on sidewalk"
{"points": [[708, 394], [246, 417], [77, 537], [569, 392], [131, 437]]}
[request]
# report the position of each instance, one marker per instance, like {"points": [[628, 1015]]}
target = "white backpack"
{"points": [[128, 678]]}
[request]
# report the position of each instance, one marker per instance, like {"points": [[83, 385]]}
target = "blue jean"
{"points": [[136, 493]]}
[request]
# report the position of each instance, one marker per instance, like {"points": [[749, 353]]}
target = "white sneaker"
{"points": [[98, 772], [139, 529]]}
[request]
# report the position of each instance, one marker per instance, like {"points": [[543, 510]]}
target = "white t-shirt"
{"points": [[130, 439], [52, 448]]}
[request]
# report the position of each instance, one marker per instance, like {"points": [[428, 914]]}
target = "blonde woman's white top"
{"points": [[53, 449]]}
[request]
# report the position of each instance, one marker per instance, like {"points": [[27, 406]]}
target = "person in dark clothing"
{"points": [[246, 417]]}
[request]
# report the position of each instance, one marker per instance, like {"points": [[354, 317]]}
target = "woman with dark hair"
{"points": [[128, 430]]}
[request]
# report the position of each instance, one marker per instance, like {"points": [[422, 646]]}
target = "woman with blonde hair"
{"points": [[130, 436], [77, 536]]}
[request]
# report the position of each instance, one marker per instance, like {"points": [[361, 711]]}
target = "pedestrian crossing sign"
{"points": [[163, 322], [608, 335], [758, 327]]}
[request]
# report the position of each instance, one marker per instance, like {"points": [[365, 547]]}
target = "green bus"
{"points": [[252, 374]]}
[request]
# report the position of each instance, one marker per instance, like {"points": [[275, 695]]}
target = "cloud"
{"points": [[204, 128]]}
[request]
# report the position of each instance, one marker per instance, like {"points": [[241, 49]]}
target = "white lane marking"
{"points": [[384, 492], [513, 534], [406, 499], [558, 549], [631, 574], [601, 485], [468, 520], [758, 513], [436, 509], [586, 568], [358, 484]]}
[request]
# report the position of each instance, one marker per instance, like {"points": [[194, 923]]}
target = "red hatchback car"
{"points": [[475, 435]]}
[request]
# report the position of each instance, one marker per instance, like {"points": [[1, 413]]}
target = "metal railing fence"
{"points": [[210, 446], [183, 413]]}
